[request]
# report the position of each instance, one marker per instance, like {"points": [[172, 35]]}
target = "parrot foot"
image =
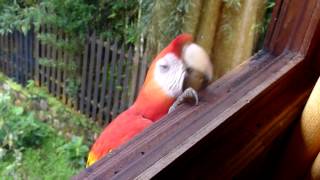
{"points": [[187, 94]]}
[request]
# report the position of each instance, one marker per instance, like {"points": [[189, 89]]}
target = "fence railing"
{"points": [[110, 74], [16, 58]]}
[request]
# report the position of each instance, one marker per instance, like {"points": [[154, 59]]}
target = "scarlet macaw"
{"points": [[164, 82]]}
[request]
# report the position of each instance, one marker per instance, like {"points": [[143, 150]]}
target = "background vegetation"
{"points": [[215, 24], [39, 137]]}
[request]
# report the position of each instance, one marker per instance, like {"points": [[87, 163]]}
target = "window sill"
{"points": [[265, 86]]}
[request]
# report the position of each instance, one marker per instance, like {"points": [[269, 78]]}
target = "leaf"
{"points": [[18, 110], [112, 15], [24, 29]]}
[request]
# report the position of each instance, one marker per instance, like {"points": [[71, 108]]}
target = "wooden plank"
{"points": [[22, 65], [10, 57], [90, 75], [111, 81], [97, 79], [4, 54], [53, 73], [30, 46], [15, 54], [118, 51], [104, 82], [125, 91], [59, 71], [118, 86], [77, 98], [84, 77], [7, 45], [134, 77], [2, 64], [4, 42], [10, 69], [36, 60], [143, 70], [273, 23], [25, 57], [43, 52], [64, 77], [311, 14], [290, 33], [49, 57], [70, 100]]}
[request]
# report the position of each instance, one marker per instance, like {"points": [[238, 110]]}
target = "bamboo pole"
{"points": [[235, 35]]}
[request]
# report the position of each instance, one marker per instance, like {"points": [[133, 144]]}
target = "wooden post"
{"points": [[97, 78], [53, 75], [84, 77], [111, 80], [118, 86], [90, 75], [134, 77], [104, 81], [125, 92], [59, 71]]}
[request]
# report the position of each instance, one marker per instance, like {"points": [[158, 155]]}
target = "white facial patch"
{"points": [[169, 74]]}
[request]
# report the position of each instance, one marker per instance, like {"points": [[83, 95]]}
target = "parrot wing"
{"points": [[118, 132]]}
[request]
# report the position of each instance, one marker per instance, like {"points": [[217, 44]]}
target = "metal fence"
{"points": [[110, 74]]}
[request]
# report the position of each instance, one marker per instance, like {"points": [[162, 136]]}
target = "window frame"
{"points": [[271, 73]]}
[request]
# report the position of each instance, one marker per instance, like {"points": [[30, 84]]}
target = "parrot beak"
{"points": [[199, 69]]}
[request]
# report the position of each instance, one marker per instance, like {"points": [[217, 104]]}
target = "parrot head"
{"points": [[198, 66], [180, 65]]}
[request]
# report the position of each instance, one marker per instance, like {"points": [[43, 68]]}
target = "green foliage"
{"points": [[111, 19], [161, 21], [37, 142], [75, 151], [18, 129], [117, 19], [261, 28]]}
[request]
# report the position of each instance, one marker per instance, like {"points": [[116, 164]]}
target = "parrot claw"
{"points": [[189, 93]]}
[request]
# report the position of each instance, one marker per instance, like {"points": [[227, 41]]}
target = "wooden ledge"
{"points": [[162, 143]]}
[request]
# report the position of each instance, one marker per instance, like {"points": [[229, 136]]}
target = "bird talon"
{"points": [[187, 94]]}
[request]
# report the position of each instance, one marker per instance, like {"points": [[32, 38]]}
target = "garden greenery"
{"points": [[39, 136], [73, 19]]}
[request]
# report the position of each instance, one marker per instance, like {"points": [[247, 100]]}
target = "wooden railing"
{"points": [[109, 74]]}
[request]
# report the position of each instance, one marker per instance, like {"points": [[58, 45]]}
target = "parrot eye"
{"points": [[189, 70], [164, 68]]}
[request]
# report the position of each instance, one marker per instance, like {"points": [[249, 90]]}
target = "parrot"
{"points": [[165, 87]]}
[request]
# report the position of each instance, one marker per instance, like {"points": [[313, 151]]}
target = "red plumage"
{"points": [[151, 104]]}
